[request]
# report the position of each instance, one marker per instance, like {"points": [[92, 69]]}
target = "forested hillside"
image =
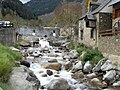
{"points": [[15, 7], [41, 7]]}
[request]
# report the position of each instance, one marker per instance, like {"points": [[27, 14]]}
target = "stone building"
{"points": [[95, 20]]}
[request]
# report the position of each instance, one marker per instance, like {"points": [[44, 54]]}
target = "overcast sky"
{"points": [[24, 1]]}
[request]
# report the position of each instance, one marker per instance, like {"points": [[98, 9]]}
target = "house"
{"points": [[93, 21]]}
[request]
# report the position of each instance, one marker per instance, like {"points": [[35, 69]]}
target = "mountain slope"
{"points": [[41, 7]]}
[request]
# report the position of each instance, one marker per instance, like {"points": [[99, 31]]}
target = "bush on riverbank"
{"points": [[93, 55], [7, 61]]}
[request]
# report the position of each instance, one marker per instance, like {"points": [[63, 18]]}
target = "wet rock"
{"points": [[42, 87], [73, 54], [116, 84], [21, 80], [68, 65], [56, 76], [99, 65], [52, 60], [36, 53], [25, 63], [54, 66], [110, 77], [44, 75], [95, 82], [108, 66], [49, 72], [87, 67], [91, 75], [58, 84]]}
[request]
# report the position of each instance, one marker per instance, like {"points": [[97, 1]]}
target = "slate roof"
{"points": [[102, 3], [114, 2]]}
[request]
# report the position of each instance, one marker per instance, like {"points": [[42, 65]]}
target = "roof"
{"points": [[103, 4], [114, 2], [89, 16]]}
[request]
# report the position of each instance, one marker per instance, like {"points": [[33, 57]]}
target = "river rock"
{"points": [[58, 84], [44, 75], [78, 75], [49, 72], [116, 84], [87, 67], [52, 60], [18, 80], [36, 53], [95, 82], [91, 75], [54, 66], [110, 77], [108, 66], [68, 65], [99, 65], [73, 54], [25, 63], [77, 66]]}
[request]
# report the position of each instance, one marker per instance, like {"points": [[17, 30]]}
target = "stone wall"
{"points": [[39, 31], [109, 45], [7, 36]]}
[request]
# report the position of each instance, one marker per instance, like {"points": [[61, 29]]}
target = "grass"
{"points": [[7, 61]]}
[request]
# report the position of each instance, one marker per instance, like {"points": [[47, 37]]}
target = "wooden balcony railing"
{"points": [[110, 32]]}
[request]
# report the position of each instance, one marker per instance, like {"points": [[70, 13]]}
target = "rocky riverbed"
{"points": [[57, 68]]}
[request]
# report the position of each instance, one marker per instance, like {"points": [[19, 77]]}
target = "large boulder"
{"points": [[20, 79], [99, 65], [108, 66], [110, 77], [55, 66], [58, 84], [87, 67], [77, 66]]}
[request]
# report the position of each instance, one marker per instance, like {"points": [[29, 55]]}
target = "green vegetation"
{"points": [[5, 86], [92, 55], [7, 61]]}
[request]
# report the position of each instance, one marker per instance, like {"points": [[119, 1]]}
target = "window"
{"points": [[92, 33], [81, 34]]}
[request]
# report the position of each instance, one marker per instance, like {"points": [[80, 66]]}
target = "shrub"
{"points": [[93, 55], [71, 45]]}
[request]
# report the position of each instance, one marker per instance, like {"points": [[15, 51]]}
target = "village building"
{"points": [[95, 20], [100, 27]]}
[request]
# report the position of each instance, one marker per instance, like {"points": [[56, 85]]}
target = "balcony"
{"points": [[110, 32]]}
